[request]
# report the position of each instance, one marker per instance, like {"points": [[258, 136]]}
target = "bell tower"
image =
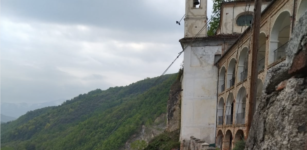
{"points": [[195, 18]]}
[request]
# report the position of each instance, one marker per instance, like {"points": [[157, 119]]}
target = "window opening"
{"points": [[245, 20], [196, 3]]}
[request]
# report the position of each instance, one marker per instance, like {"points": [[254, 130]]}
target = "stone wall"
{"points": [[280, 121]]}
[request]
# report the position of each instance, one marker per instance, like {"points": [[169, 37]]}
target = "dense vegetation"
{"points": [[239, 145], [165, 141], [215, 17], [96, 120]]}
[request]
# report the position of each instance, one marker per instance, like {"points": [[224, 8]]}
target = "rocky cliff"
{"points": [[147, 132], [173, 105], [280, 121]]}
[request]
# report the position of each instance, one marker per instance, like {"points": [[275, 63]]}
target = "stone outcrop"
{"points": [[148, 132], [173, 105], [280, 121]]}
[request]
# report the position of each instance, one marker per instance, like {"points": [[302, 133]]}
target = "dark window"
{"points": [[245, 20]]}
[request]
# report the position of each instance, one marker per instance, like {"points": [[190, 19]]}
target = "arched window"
{"points": [[243, 65], [301, 9], [279, 37], [228, 141], [261, 52], [239, 136], [245, 20], [229, 109], [231, 73], [240, 106], [219, 141], [220, 112], [222, 80]]}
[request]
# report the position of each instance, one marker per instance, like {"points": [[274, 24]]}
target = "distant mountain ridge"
{"points": [[96, 120], [5, 118], [17, 109]]}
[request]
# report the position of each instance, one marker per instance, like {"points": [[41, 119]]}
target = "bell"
{"points": [[196, 2]]}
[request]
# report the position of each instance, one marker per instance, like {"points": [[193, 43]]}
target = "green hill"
{"points": [[101, 120]]}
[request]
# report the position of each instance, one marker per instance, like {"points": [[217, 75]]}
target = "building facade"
{"points": [[217, 76], [277, 22]]}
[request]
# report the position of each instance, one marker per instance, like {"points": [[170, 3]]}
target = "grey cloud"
{"points": [[55, 50], [130, 15]]}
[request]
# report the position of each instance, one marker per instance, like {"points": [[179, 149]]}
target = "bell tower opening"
{"points": [[196, 3]]}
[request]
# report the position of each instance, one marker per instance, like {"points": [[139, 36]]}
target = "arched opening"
{"points": [[243, 65], [261, 52], [219, 140], [222, 80], [239, 136], [279, 37], [229, 109], [301, 9], [245, 19], [220, 111], [231, 73], [259, 92], [240, 106], [228, 141]]}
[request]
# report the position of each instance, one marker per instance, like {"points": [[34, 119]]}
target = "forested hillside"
{"points": [[101, 120]]}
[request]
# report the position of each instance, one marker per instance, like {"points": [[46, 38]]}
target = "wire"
{"points": [[193, 39]]}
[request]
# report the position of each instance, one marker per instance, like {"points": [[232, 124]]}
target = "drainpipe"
{"points": [[217, 99], [294, 15]]}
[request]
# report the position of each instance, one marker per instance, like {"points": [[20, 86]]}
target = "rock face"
{"points": [[280, 121], [147, 132], [173, 105]]}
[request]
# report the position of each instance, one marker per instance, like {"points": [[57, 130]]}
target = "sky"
{"points": [[54, 50]]}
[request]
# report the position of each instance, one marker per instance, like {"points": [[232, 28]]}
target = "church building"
{"points": [[217, 69]]}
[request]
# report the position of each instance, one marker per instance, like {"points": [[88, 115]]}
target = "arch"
{"points": [[229, 109], [220, 111], [240, 106], [259, 92], [301, 9], [228, 140], [261, 52], [222, 80], [243, 65], [244, 18], [231, 73], [279, 37], [239, 136], [219, 139]]}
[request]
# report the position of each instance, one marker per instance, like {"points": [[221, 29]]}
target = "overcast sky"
{"points": [[54, 50]]}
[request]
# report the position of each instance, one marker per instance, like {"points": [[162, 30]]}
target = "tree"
{"points": [[215, 17], [138, 145], [240, 145]]}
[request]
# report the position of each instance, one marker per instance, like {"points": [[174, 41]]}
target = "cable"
{"points": [[181, 52]]}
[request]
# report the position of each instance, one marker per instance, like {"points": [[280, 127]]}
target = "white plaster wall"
{"points": [[230, 14], [198, 113]]}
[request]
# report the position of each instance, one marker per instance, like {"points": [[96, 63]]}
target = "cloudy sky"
{"points": [[54, 50]]}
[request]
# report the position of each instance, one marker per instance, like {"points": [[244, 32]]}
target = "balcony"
{"points": [[220, 120], [228, 119], [261, 65], [232, 81], [280, 52], [222, 87], [240, 118], [243, 75]]}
